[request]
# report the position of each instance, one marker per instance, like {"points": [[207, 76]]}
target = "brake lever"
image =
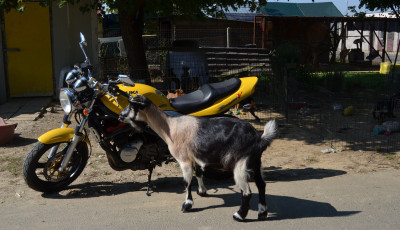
{"points": [[109, 88], [113, 98], [114, 81]]}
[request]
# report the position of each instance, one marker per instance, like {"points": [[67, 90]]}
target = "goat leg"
{"points": [[187, 175], [244, 208], [202, 190], [262, 206], [148, 181], [189, 200]]}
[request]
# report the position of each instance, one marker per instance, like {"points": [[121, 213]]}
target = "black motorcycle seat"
{"points": [[205, 96]]}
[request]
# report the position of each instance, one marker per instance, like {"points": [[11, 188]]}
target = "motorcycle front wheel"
{"points": [[41, 169]]}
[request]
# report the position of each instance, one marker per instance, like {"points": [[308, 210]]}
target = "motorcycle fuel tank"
{"points": [[120, 102]]}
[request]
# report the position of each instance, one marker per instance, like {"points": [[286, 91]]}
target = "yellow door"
{"points": [[28, 47]]}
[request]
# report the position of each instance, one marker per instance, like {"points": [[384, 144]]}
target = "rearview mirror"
{"points": [[83, 40]]}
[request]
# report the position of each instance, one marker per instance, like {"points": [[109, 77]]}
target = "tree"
{"points": [[133, 12], [392, 5]]}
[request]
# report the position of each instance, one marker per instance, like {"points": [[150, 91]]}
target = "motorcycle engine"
{"points": [[129, 152]]}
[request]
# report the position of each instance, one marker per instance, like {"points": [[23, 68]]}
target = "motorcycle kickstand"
{"points": [[148, 181]]}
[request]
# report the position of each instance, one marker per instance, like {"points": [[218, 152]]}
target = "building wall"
{"points": [[311, 37], [67, 23], [392, 41], [29, 57], [211, 32], [3, 91], [392, 35]]}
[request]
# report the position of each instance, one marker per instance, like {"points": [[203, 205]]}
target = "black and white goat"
{"points": [[226, 143]]}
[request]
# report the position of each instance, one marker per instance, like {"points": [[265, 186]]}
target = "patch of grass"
{"points": [[12, 164], [97, 154], [364, 80], [99, 157], [390, 157], [346, 81], [94, 166], [12, 182], [363, 171], [312, 160]]}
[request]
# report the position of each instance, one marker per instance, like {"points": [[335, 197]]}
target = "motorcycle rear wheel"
{"points": [[41, 172]]}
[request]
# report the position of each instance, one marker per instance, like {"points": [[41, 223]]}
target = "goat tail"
{"points": [[270, 132]]}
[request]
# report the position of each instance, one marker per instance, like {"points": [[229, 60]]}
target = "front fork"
{"points": [[66, 123], [77, 136]]}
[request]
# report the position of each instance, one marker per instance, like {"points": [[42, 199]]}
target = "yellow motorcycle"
{"points": [[61, 154]]}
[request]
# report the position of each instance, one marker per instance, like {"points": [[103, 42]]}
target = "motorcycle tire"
{"points": [[36, 174]]}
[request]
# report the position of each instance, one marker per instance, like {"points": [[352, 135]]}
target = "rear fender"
{"points": [[60, 135]]}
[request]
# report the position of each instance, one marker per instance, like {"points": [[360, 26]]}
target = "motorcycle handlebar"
{"points": [[115, 89]]}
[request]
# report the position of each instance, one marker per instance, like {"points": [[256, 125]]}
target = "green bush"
{"points": [[365, 80], [333, 80], [348, 81], [305, 75], [288, 52]]}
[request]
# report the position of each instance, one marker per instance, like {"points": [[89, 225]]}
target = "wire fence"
{"points": [[279, 94]]}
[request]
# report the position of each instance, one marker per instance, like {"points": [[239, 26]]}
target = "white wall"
{"points": [[365, 47]]}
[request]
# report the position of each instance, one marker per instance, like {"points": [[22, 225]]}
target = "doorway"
{"points": [[28, 51]]}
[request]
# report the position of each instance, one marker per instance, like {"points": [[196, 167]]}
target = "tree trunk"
{"points": [[131, 16]]}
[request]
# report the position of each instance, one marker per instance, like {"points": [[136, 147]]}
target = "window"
{"points": [[390, 36]]}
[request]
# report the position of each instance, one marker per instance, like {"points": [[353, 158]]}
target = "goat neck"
{"points": [[158, 122]]}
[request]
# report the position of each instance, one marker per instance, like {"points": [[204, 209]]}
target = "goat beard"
{"points": [[131, 120], [135, 126]]}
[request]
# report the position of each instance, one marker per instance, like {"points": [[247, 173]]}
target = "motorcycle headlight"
{"points": [[67, 100]]}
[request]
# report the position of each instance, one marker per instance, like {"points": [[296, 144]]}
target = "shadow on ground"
{"points": [[175, 184], [278, 174], [284, 207], [106, 188], [280, 207], [18, 141]]}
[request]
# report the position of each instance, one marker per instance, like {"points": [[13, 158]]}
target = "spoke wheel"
{"points": [[41, 169]]}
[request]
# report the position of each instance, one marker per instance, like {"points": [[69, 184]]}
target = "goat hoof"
{"points": [[237, 217], [202, 194], [187, 206], [263, 215]]}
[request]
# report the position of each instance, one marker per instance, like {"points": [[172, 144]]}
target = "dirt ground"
{"points": [[296, 153]]}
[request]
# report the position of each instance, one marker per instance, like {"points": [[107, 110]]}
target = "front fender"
{"points": [[59, 135]]}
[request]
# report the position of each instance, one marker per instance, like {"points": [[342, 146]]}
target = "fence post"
{"points": [[228, 37], [285, 85], [384, 41]]}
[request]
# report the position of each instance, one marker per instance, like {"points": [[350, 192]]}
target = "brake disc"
{"points": [[51, 170]]}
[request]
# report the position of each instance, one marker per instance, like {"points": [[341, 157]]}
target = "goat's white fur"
{"points": [[261, 208], [241, 176]]}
